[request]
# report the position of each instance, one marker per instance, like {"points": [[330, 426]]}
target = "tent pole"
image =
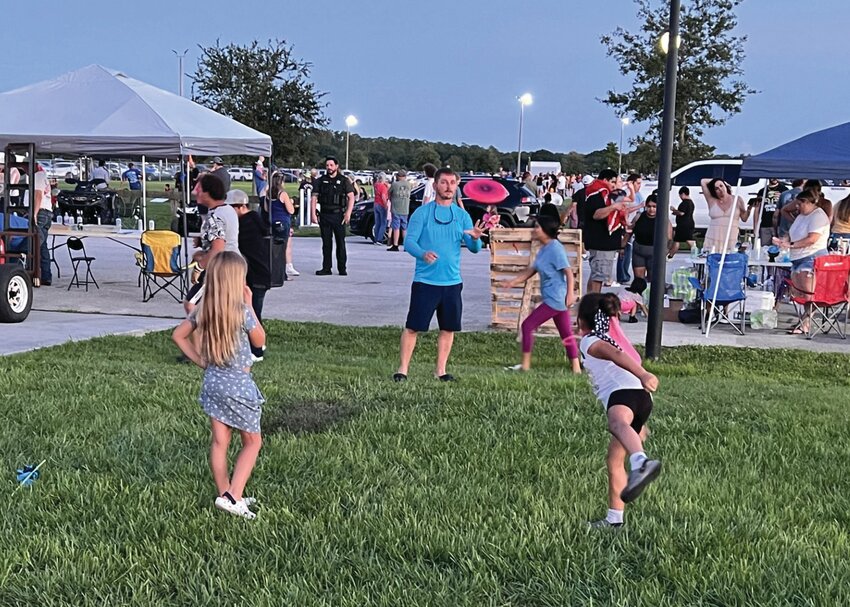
{"points": [[144, 195], [184, 169], [733, 217]]}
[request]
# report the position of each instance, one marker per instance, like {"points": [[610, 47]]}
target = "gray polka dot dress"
{"points": [[229, 393]]}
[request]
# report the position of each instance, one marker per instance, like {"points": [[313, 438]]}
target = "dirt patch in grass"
{"points": [[308, 418]]}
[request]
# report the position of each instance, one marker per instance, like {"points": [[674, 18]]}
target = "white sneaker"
{"points": [[515, 368], [239, 508], [256, 359], [291, 271]]}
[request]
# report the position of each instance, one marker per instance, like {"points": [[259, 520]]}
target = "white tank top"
{"points": [[605, 375]]}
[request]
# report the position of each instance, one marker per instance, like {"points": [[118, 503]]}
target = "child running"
{"points": [[229, 396], [556, 289], [623, 387]]}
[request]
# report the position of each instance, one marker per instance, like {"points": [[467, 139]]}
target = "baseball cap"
{"points": [[236, 198], [587, 180], [217, 160]]}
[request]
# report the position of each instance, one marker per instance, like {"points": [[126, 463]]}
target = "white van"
{"points": [[728, 170]]}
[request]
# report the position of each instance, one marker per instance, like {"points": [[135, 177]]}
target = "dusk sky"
{"points": [[451, 71]]}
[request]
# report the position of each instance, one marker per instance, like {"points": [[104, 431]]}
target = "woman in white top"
{"points": [[806, 240], [623, 387], [722, 205]]}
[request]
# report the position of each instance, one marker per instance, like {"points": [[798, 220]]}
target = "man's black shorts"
{"points": [[197, 291], [639, 401], [426, 299]]}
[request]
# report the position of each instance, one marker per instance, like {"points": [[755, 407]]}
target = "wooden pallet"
{"points": [[511, 252]]}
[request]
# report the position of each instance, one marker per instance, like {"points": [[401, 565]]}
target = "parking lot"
{"points": [[375, 293]]}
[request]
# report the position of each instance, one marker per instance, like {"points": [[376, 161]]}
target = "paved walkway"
{"points": [[375, 293]]}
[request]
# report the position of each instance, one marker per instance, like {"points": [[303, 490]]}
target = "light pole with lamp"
{"points": [[180, 70], [524, 100], [350, 121], [623, 122]]}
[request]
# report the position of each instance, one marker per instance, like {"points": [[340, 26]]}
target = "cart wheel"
{"points": [[15, 293]]}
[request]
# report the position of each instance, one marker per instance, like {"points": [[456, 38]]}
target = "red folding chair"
{"points": [[830, 297]]}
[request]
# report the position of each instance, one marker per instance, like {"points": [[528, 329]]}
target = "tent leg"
{"points": [[144, 195]]}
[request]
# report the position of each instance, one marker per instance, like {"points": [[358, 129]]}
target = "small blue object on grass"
{"points": [[28, 474]]}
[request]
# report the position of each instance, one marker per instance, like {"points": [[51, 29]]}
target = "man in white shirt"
{"points": [[100, 173]]}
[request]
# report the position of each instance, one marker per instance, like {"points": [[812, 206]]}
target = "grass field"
{"points": [[372, 493]]}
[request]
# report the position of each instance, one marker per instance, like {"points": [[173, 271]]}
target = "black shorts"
{"points": [[639, 401], [426, 299]]}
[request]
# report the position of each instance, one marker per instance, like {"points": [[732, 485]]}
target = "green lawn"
{"points": [[474, 493]]}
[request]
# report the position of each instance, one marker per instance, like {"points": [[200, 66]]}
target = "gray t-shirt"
{"points": [[222, 174], [400, 197]]}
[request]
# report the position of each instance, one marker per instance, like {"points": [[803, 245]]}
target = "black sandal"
{"points": [[397, 377]]}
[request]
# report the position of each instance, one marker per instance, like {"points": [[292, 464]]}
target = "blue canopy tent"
{"points": [[821, 155]]}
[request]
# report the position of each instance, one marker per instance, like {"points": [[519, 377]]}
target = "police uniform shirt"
{"points": [[332, 193]]}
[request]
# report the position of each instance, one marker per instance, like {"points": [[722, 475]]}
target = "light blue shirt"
{"points": [[439, 229], [550, 263]]}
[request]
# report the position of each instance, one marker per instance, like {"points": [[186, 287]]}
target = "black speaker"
{"points": [[278, 263]]}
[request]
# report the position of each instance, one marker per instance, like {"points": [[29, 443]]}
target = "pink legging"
{"points": [[563, 323]]}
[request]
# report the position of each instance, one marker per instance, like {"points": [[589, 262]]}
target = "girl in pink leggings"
{"points": [[556, 289]]}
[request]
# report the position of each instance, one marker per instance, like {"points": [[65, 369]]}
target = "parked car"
{"points": [[519, 209], [62, 169], [115, 170], [88, 201], [240, 174]]}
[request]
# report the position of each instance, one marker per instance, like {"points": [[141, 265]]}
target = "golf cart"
{"points": [[19, 243]]}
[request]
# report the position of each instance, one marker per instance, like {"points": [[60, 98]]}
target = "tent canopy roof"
{"points": [[98, 111], [824, 154]]}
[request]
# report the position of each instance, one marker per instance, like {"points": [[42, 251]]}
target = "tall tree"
{"points": [[709, 86], [264, 87]]}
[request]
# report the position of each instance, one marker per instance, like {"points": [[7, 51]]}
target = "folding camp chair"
{"points": [[159, 265], [828, 301], [731, 292], [75, 247]]}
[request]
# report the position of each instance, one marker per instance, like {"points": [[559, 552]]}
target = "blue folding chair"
{"points": [[731, 291]]}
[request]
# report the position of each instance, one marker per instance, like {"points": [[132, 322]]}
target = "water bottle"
{"points": [[151, 225], [694, 252], [66, 220], [117, 224], [141, 225]]}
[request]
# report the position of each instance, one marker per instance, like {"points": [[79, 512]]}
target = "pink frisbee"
{"points": [[485, 191]]}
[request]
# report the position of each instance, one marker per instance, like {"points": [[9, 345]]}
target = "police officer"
{"points": [[335, 193]]}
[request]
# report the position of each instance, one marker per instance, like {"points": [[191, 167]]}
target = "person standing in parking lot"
{"points": [[380, 208], [604, 222], [400, 199], [334, 194]]}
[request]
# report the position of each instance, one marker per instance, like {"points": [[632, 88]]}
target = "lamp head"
{"points": [[350, 121], [526, 99]]}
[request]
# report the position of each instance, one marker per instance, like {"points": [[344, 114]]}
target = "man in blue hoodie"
{"points": [[435, 233]]}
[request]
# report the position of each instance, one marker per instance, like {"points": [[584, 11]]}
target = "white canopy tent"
{"points": [[101, 112]]}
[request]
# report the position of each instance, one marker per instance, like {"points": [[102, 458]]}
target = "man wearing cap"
{"points": [[219, 171], [400, 207], [334, 193]]}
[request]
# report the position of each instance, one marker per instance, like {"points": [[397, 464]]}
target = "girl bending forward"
{"points": [[623, 387]]}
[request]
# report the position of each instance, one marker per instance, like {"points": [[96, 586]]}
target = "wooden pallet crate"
{"points": [[511, 252]]}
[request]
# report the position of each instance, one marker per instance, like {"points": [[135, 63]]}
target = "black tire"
{"points": [[15, 293]]}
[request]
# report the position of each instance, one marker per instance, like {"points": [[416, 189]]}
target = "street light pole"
{"points": [[350, 121], [524, 100], [623, 122], [180, 70], [659, 264]]}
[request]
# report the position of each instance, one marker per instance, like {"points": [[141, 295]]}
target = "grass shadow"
{"points": [[308, 417]]}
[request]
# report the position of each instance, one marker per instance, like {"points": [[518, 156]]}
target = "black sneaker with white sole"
{"points": [[603, 524], [639, 479]]}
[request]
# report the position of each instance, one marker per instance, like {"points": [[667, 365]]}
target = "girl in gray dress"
{"points": [[229, 396]]}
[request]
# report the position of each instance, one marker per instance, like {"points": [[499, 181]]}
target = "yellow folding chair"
{"points": [[159, 265]]}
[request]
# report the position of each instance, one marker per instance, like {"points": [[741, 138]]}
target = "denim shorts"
{"points": [[399, 222], [806, 264]]}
